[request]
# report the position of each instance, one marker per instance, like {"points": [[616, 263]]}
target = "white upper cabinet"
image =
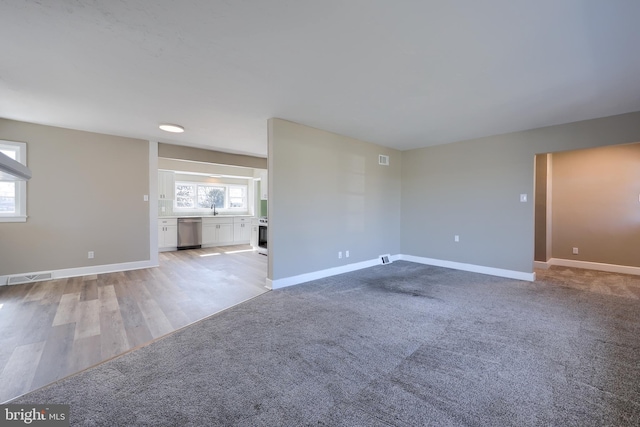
{"points": [[264, 185], [166, 185]]}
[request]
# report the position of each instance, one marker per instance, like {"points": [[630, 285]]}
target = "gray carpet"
{"points": [[402, 344]]}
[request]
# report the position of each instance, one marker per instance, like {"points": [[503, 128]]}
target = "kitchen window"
{"points": [[210, 195], [200, 195], [237, 196], [13, 194]]}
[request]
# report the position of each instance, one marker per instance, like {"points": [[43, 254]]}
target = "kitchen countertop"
{"points": [[204, 216]]}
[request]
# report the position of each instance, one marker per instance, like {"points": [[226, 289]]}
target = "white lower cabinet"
{"points": [[167, 234], [253, 241], [217, 231], [241, 230], [225, 234]]}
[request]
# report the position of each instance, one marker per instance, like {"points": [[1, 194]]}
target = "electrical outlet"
{"points": [[346, 254], [575, 251], [339, 254], [90, 255], [456, 238]]}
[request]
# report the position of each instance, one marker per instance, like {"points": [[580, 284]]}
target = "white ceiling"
{"points": [[403, 74]]}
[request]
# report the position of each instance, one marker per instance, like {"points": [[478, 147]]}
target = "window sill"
{"points": [[209, 212], [13, 219]]}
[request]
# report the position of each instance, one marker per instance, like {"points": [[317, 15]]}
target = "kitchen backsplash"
{"points": [[168, 210]]}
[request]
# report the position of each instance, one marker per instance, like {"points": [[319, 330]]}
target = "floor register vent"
{"points": [[29, 278], [386, 259]]}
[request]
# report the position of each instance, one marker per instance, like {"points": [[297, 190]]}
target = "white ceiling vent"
{"points": [[383, 160], [386, 259], [29, 278]]}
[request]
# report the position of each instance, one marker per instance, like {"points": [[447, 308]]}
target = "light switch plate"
{"points": [[146, 197], [523, 197]]}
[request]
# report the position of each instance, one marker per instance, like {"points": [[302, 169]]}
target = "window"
{"points": [[13, 194], [203, 195], [185, 196], [210, 195], [237, 196]]}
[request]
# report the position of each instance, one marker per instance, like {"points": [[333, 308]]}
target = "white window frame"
{"points": [[195, 199], [226, 187], [20, 214], [245, 197]]}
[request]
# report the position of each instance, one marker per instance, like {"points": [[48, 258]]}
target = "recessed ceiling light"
{"points": [[172, 128]]}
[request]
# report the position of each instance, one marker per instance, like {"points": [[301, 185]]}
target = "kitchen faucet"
{"points": [[213, 206]]}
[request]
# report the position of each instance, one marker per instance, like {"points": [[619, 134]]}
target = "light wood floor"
{"points": [[49, 330]]}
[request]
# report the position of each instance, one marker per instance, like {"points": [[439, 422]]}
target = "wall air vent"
{"points": [[29, 278], [386, 259], [383, 160]]}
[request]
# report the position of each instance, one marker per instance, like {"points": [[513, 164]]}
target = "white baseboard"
{"points": [[321, 274], [510, 274], [307, 277], [612, 268], [542, 265], [86, 271]]}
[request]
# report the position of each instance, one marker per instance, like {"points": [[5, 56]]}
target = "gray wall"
{"points": [[180, 152], [472, 188], [86, 194], [327, 193], [595, 205]]}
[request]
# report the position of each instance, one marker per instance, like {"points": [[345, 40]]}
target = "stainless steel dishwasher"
{"points": [[189, 233]]}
